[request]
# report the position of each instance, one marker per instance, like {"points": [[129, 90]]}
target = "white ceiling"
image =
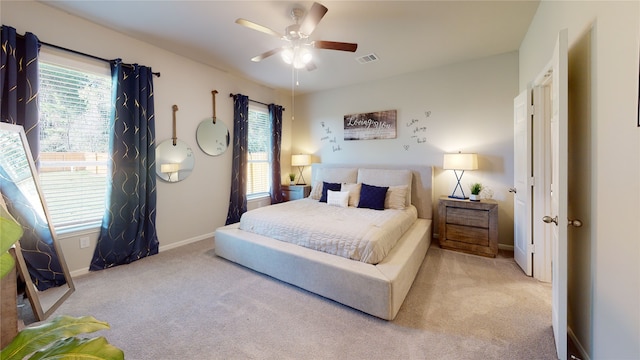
{"points": [[407, 36]]}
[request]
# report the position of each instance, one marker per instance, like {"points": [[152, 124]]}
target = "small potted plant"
{"points": [[292, 179], [475, 192]]}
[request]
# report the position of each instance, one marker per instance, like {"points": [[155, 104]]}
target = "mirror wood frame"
{"points": [[43, 303]]}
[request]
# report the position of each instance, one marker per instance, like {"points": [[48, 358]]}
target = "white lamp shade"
{"points": [[460, 161], [300, 160], [169, 168]]}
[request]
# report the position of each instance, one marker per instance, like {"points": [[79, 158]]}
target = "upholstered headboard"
{"points": [[421, 182]]}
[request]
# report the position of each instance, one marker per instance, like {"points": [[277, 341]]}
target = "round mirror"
{"points": [[212, 137], [174, 162]]}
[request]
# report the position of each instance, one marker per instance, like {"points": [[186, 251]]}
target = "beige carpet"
{"points": [[187, 303]]}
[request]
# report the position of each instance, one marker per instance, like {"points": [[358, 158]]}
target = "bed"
{"points": [[375, 284]]}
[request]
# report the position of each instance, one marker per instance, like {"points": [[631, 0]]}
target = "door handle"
{"points": [[549, 219], [575, 223], [513, 190]]}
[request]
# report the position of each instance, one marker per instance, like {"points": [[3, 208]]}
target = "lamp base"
{"points": [[300, 177], [458, 197], [458, 185]]}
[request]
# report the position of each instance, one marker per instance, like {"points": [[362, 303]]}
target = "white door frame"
{"points": [[541, 93], [549, 136], [554, 94]]}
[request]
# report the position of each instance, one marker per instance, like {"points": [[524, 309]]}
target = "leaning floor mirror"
{"points": [[41, 263]]}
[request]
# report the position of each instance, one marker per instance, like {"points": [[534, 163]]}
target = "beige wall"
{"points": [[462, 107], [604, 153], [189, 210]]}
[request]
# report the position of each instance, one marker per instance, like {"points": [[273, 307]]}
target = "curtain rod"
{"points": [[83, 54], [255, 101]]}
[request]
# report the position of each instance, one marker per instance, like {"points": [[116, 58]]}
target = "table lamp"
{"points": [[300, 161], [459, 162], [170, 169]]}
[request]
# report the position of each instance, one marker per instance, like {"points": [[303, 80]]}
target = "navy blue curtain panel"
{"points": [[275, 117], [19, 106], [238, 196], [128, 230], [19, 84], [36, 242]]}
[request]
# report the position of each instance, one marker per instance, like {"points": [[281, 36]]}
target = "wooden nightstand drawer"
{"points": [[469, 235], [468, 226], [295, 192], [467, 217]]}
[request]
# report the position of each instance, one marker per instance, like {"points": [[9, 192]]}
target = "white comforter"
{"points": [[360, 234]]}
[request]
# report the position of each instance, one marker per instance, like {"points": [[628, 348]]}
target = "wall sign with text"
{"points": [[372, 125]]}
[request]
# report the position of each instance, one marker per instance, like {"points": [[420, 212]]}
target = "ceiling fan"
{"points": [[296, 51]]}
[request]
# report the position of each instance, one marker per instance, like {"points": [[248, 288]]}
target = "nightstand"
{"points": [[468, 226], [295, 192]]}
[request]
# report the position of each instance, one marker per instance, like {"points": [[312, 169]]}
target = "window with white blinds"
{"points": [[258, 159], [75, 106]]}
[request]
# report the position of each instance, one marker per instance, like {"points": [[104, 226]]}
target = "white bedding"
{"points": [[359, 234]]}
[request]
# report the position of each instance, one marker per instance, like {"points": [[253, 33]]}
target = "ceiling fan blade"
{"points": [[254, 26], [266, 54], [334, 45], [313, 17]]}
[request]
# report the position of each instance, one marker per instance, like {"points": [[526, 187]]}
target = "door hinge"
{"points": [[532, 110], [532, 248], [531, 181]]}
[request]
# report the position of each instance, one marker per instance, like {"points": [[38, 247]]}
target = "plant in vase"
{"points": [[292, 178], [475, 192]]}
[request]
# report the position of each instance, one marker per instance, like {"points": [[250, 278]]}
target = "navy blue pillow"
{"points": [[328, 186], [372, 197]]}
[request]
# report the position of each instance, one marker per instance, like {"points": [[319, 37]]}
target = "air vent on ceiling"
{"points": [[367, 58]]}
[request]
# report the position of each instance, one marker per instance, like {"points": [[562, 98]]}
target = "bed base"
{"points": [[378, 290]]}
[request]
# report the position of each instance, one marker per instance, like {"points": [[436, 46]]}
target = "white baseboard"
{"points": [[79, 272], [174, 245], [505, 247], [583, 354], [185, 242]]}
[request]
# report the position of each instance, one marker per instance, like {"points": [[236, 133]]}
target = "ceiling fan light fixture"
{"points": [[297, 51], [287, 55], [297, 56], [305, 55]]}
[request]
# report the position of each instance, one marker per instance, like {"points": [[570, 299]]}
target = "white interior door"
{"points": [[522, 200], [559, 200]]}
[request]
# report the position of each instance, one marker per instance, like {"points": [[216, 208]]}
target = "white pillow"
{"points": [[330, 175], [338, 198], [354, 193], [396, 197], [316, 191]]}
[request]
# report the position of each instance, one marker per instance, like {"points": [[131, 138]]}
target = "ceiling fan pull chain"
{"points": [[293, 99]]}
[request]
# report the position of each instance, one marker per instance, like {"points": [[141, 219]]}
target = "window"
{"points": [[75, 106], [258, 158]]}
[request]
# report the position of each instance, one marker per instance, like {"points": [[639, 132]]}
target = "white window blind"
{"points": [[75, 106], [258, 161]]}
